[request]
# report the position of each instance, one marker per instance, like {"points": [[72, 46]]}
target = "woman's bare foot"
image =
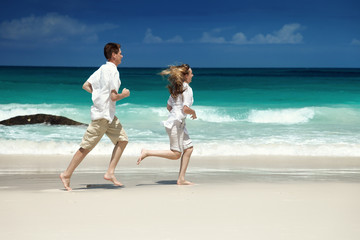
{"points": [[112, 178], [142, 156], [65, 181], [184, 182]]}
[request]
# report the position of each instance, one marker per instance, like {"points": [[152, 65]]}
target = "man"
{"points": [[104, 85]]}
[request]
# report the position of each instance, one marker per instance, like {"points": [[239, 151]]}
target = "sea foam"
{"points": [[281, 116], [200, 149]]}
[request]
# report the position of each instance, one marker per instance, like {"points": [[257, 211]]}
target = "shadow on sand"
{"points": [[162, 182], [99, 186]]}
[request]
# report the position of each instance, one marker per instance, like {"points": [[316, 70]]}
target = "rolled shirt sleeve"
{"points": [[188, 96], [94, 78], [114, 81], [170, 101]]}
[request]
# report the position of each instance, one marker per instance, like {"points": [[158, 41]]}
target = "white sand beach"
{"points": [[258, 197]]}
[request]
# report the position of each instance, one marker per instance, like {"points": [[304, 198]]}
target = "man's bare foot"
{"points": [[112, 178], [184, 182], [142, 156], [65, 181]]}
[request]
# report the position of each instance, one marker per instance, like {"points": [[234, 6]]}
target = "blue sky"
{"points": [[239, 33]]}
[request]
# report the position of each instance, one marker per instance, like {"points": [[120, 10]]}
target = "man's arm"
{"points": [[116, 96], [87, 87]]}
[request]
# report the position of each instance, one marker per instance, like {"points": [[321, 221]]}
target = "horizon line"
{"points": [[54, 66]]}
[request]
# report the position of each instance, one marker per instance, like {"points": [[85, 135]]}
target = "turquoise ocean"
{"points": [[241, 112]]}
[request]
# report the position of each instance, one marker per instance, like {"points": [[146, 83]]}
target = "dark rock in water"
{"points": [[39, 118]]}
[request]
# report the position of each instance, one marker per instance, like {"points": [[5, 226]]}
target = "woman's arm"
{"points": [[190, 111], [169, 108]]}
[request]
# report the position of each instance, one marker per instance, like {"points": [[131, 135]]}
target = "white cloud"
{"points": [[288, 34], [176, 39], [239, 38], [208, 38], [355, 42], [151, 38], [51, 27]]}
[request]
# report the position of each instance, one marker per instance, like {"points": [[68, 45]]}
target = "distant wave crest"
{"points": [[215, 115], [15, 109]]}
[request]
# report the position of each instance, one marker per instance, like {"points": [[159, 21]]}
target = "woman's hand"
{"points": [[193, 116]]}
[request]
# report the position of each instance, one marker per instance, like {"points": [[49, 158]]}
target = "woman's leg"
{"points": [[185, 159], [174, 138], [169, 154]]}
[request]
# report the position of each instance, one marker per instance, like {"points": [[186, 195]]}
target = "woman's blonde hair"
{"points": [[176, 78]]}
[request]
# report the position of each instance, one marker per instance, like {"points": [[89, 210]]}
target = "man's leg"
{"points": [[118, 136], [76, 160], [117, 152]]}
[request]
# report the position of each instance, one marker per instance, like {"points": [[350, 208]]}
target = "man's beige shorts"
{"points": [[179, 137], [98, 128]]}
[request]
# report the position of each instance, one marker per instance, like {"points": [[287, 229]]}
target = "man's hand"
{"points": [[116, 97], [125, 92]]}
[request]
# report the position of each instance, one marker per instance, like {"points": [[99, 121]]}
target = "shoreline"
{"points": [[16, 170], [48, 163]]}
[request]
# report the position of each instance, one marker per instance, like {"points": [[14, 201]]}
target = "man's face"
{"points": [[118, 57]]}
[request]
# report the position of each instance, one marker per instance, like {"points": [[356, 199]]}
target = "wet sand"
{"points": [[258, 197]]}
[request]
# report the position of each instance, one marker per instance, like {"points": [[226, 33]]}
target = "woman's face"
{"points": [[189, 76]]}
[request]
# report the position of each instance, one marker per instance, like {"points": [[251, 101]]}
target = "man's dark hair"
{"points": [[111, 48]]}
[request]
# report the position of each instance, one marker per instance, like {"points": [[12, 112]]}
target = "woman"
{"points": [[179, 105]]}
